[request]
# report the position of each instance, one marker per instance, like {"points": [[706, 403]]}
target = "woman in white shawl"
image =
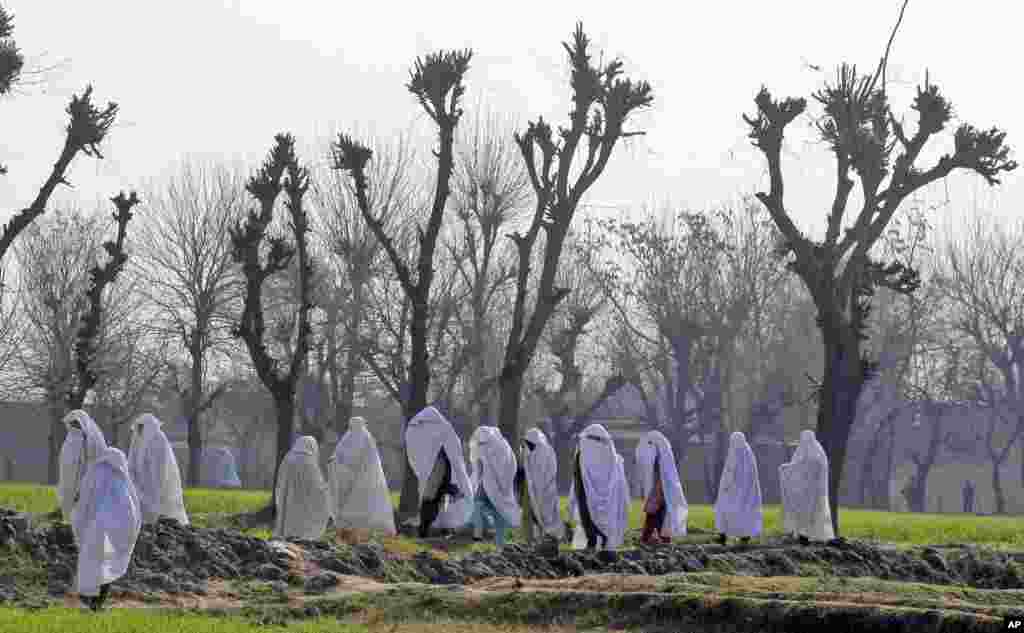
{"points": [[359, 490], [665, 507], [804, 483], [599, 497], [738, 509], [83, 445], [435, 455], [494, 471], [221, 470], [302, 497], [538, 489], [107, 521], [154, 471]]}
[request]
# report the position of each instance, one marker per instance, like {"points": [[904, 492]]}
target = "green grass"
{"points": [[210, 506], [62, 620]]}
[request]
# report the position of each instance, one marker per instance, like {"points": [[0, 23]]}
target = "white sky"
{"points": [[220, 78]]}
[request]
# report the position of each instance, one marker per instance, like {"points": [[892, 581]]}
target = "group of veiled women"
{"points": [[494, 490], [107, 497]]}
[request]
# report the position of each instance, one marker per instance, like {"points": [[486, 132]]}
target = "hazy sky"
{"points": [[220, 78]]}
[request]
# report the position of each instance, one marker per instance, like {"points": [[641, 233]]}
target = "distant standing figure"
{"points": [[494, 470], [222, 472], [804, 484], [538, 488], [738, 510], [154, 472], [359, 490], [435, 455], [83, 445], [665, 507], [107, 521], [302, 498], [968, 494]]}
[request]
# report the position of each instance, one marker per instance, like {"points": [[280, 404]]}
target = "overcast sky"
{"points": [[218, 79]]}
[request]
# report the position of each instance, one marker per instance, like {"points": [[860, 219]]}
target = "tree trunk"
{"points": [[195, 437], [419, 383], [511, 396], [56, 440], [997, 487], [284, 405], [842, 383]]}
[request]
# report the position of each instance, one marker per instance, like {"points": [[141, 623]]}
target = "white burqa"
{"points": [[221, 470], [303, 504], [359, 490], [107, 520], [154, 471], [494, 465], [738, 509], [80, 449], [656, 445], [426, 435], [605, 486], [541, 468], [804, 483]]}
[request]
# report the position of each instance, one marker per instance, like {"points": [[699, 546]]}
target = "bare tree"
{"points": [[490, 190], [280, 171], [862, 132], [436, 82], [602, 104], [187, 264], [86, 129], [983, 278], [357, 252]]}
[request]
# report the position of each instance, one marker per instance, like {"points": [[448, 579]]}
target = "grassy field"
{"points": [[207, 507], [62, 620]]}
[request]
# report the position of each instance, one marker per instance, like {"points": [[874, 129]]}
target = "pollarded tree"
{"points": [[602, 104], [436, 82], [86, 129], [839, 271], [280, 171]]}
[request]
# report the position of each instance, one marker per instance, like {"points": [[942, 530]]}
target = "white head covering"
{"points": [[804, 483], [154, 471], [494, 466], [427, 433], [221, 470], [604, 483], [81, 447], [302, 497], [656, 445], [541, 467], [107, 521], [359, 489], [738, 509]]}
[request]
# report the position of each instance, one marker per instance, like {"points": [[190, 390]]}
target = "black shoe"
{"points": [[721, 539], [804, 540]]}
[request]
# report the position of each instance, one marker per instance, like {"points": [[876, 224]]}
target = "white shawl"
{"points": [[804, 483], [656, 445], [494, 466], [107, 520], [541, 468], [359, 490], [154, 471], [738, 509], [80, 449], [302, 497], [428, 432], [605, 485]]}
